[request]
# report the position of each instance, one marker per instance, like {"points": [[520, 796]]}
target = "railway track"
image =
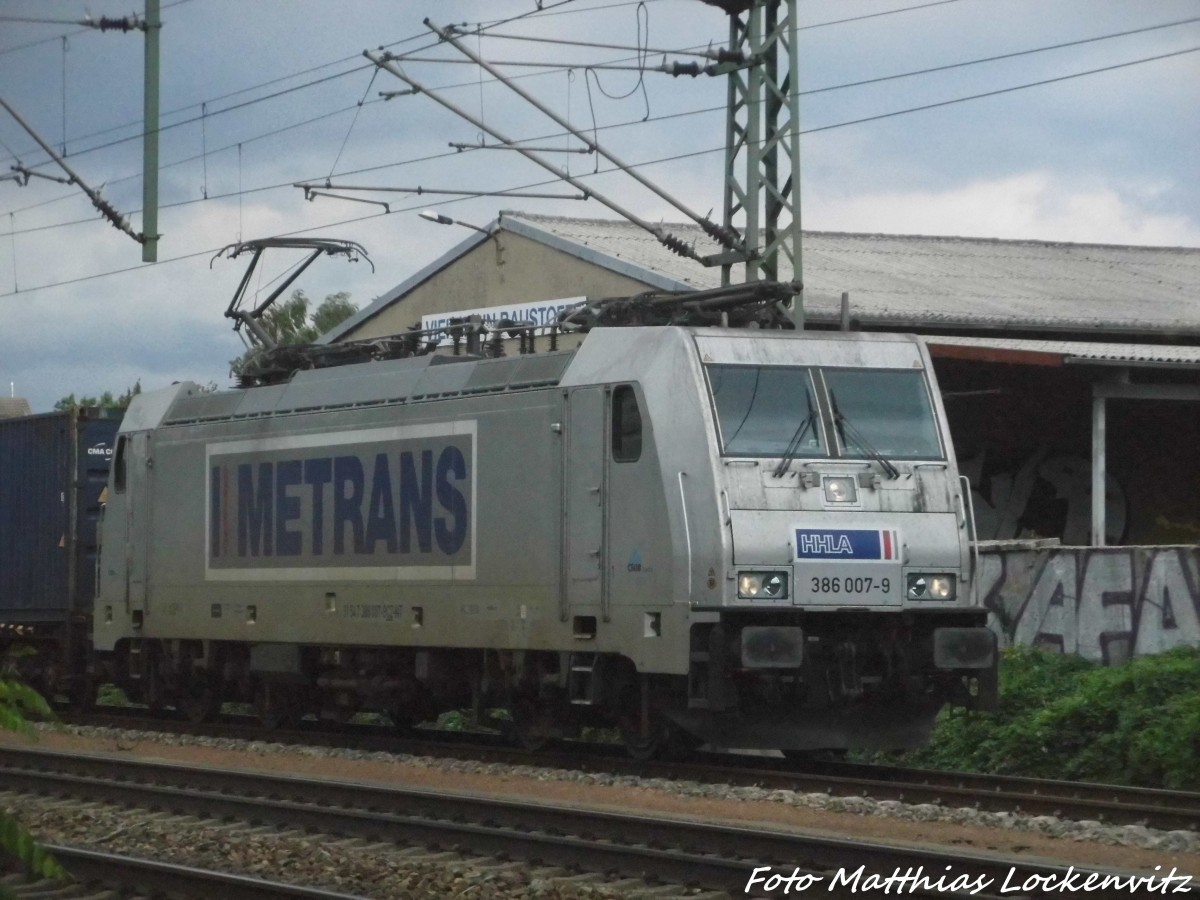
{"points": [[666, 851], [99, 874], [1111, 804]]}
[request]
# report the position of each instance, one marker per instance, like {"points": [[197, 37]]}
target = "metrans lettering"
{"points": [[313, 503]]}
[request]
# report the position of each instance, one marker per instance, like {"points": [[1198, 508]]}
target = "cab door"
{"points": [[132, 480], [584, 493]]}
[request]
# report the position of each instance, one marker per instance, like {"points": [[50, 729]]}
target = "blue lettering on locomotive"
{"points": [[318, 473], [450, 538], [410, 503], [416, 501], [347, 502], [254, 510]]}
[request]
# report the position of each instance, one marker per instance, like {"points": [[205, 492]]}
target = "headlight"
{"points": [[930, 587], [771, 585], [839, 489]]}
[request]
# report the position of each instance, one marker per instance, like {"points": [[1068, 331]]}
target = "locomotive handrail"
{"points": [[968, 504], [687, 532]]}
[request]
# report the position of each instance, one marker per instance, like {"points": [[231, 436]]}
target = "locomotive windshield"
{"points": [[882, 412], [762, 410], [773, 411]]}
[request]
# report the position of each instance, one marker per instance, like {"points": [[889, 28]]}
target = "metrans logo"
{"points": [[383, 503], [857, 544]]}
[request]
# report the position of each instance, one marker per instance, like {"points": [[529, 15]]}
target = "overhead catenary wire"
{"points": [[104, 23], [806, 92], [204, 114], [717, 232], [831, 87], [660, 161], [106, 209], [545, 11], [663, 118], [310, 69], [1007, 90], [85, 30], [828, 88], [661, 234]]}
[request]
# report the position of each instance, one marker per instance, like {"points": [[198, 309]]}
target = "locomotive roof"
{"points": [[436, 376], [373, 384]]}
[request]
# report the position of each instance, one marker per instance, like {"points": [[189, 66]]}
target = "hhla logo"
{"points": [[880, 544], [825, 544]]}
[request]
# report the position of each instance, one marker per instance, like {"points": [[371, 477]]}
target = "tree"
{"points": [[288, 322], [104, 401], [18, 703]]}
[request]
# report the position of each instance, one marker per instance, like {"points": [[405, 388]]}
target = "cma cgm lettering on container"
{"points": [[368, 504]]}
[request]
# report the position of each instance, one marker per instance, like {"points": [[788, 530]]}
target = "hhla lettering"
{"points": [[826, 543]]}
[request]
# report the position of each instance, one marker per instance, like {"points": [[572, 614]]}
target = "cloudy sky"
{"points": [[258, 96]]}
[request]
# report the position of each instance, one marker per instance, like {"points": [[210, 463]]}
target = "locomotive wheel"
{"points": [[277, 706], [83, 694], [199, 704], [644, 747], [660, 737], [532, 726], [153, 687], [402, 720]]}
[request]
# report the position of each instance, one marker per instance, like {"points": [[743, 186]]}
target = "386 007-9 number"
{"points": [[850, 585]]}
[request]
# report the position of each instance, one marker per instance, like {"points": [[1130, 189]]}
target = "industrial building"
{"points": [[1063, 366]]}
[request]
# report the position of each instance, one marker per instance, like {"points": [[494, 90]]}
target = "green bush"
{"points": [[111, 695], [1062, 717], [19, 704]]}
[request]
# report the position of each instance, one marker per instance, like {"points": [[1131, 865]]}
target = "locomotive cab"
{"points": [[821, 535]]}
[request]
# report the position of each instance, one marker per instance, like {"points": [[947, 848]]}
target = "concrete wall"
{"points": [[517, 271], [1106, 604]]}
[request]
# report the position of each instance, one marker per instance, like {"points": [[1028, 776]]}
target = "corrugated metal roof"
{"points": [[1059, 352], [14, 407], [914, 281]]}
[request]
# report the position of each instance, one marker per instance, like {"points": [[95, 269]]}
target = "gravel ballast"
{"points": [[385, 871]]}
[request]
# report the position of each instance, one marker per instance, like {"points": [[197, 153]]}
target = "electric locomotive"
{"points": [[749, 537]]}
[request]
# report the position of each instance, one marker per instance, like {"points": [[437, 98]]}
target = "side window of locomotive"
{"points": [[884, 410], [119, 465], [626, 425], [766, 411]]}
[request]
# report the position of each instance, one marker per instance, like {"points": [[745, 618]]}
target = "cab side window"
{"points": [[626, 425]]}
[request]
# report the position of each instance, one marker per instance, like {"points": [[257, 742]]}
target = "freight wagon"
{"points": [[53, 473]]}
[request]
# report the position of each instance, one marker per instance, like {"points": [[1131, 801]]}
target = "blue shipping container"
{"points": [[53, 468]]}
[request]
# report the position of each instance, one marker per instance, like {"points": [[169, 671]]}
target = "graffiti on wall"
{"points": [[1106, 604], [1046, 494]]}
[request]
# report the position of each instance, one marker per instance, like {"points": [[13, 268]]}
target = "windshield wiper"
{"points": [[847, 429], [793, 448]]}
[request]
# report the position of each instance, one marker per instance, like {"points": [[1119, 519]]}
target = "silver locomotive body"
{"points": [[755, 539]]}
